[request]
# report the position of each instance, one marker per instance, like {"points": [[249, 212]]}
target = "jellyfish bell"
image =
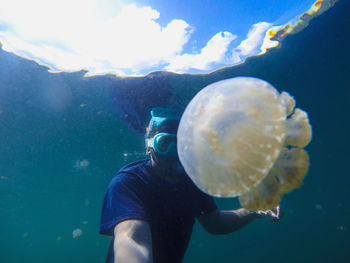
{"points": [[77, 233], [241, 137]]}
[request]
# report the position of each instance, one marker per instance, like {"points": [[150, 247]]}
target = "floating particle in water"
{"points": [[318, 207], [3, 177], [59, 239], [25, 235], [342, 228], [290, 211], [198, 244], [87, 202], [81, 164], [77, 233], [85, 222], [82, 105], [133, 154]]}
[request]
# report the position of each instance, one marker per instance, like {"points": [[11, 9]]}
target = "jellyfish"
{"points": [[242, 138], [81, 164], [77, 233]]}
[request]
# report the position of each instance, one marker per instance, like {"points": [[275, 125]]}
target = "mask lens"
{"points": [[164, 142]]}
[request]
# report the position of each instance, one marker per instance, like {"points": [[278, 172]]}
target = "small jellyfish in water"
{"points": [[77, 233], [318, 207], [241, 137], [81, 164]]}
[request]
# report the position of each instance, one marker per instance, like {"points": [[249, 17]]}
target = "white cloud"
{"points": [[108, 36], [254, 39], [218, 51], [213, 52], [267, 42], [73, 35]]}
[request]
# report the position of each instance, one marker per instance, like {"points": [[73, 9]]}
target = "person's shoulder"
{"points": [[134, 166], [131, 172]]}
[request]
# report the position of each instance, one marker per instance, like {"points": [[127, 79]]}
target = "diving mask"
{"points": [[163, 144]]}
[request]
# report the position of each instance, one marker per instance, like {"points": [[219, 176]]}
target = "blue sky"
{"points": [[126, 37]]}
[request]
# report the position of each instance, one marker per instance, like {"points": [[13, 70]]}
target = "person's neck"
{"points": [[165, 172]]}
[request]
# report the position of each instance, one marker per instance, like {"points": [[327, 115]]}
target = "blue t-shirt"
{"points": [[137, 192]]}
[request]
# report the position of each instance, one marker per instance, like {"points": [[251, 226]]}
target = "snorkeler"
{"points": [[150, 206]]}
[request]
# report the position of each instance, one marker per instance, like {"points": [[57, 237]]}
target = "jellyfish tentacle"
{"points": [[290, 168], [298, 129], [286, 175], [287, 102], [263, 197]]}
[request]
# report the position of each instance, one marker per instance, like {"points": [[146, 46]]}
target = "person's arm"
{"points": [[224, 222], [132, 242]]}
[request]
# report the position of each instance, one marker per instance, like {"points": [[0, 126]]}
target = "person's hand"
{"points": [[275, 214]]}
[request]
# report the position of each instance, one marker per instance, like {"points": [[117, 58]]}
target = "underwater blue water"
{"points": [[63, 137]]}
